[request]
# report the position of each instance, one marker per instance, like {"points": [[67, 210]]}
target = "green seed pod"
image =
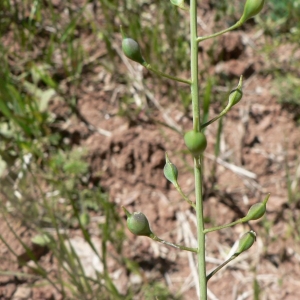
{"points": [[138, 223], [195, 142], [246, 241], [257, 210], [179, 3], [170, 171], [132, 50], [251, 8], [236, 95]]}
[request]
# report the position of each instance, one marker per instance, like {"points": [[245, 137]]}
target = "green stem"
{"points": [[197, 161], [243, 220], [184, 196], [203, 38], [159, 73], [177, 246], [234, 97], [225, 111], [200, 229], [210, 275]]}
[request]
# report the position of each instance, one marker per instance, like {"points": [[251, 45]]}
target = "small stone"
{"points": [[22, 293]]}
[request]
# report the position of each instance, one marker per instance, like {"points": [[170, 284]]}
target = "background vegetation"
{"points": [[46, 49]]}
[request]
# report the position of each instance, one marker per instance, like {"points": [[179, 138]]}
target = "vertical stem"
{"points": [[200, 229], [194, 65], [197, 161]]}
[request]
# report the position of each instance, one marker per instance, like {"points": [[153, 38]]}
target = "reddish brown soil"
{"points": [[128, 157]]}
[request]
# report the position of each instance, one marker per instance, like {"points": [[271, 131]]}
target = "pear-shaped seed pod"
{"points": [[251, 8], [257, 210], [132, 50], [246, 241], [170, 171], [138, 224], [195, 142], [236, 95]]}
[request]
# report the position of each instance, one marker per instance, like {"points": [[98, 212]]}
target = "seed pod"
{"points": [[138, 223], [179, 3], [251, 8], [132, 50], [246, 241], [236, 95], [170, 171], [195, 142], [257, 210]]}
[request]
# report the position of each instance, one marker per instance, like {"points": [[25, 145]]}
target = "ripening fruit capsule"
{"points": [[170, 171], [257, 210], [246, 241], [138, 223], [195, 142], [251, 8], [132, 50], [236, 95]]}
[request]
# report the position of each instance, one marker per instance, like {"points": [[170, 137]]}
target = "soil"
{"points": [[259, 139]]}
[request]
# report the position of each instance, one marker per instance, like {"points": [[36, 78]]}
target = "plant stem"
{"points": [[159, 73], [194, 65], [200, 230], [177, 246], [184, 196], [203, 38], [197, 161], [225, 226], [221, 266], [225, 111]]}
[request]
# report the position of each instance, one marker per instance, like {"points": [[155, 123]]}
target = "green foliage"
{"points": [[287, 90], [284, 14], [256, 289], [158, 291], [44, 177], [226, 9], [168, 23], [282, 20]]}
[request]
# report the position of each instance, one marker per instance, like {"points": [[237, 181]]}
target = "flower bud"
{"points": [[246, 241], [170, 171], [251, 8], [236, 95], [257, 210], [195, 142], [132, 50], [138, 223]]}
